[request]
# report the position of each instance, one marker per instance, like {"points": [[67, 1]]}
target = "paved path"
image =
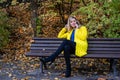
{"points": [[16, 74], [11, 71]]}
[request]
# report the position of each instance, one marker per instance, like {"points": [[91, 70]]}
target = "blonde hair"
{"points": [[68, 22]]}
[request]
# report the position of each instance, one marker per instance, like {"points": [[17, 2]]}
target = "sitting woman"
{"points": [[75, 42]]}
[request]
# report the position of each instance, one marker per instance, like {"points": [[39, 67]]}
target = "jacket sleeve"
{"points": [[84, 33], [63, 33]]}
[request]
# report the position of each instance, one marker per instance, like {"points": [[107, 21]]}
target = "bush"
{"points": [[4, 33]]}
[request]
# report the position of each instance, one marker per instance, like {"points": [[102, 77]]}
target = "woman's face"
{"points": [[73, 22]]}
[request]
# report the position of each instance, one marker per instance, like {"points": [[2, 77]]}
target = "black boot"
{"points": [[44, 62], [68, 73], [51, 62], [67, 60], [68, 68]]}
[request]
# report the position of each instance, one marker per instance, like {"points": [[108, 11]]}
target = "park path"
{"points": [[11, 71]]}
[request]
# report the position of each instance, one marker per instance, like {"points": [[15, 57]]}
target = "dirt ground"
{"points": [[16, 71]]}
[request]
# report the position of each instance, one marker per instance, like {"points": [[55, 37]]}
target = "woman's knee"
{"points": [[65, 41], [66, 51], [67, 47]]}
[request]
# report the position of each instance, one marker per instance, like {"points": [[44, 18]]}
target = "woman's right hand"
{"points": [[67, 27]]}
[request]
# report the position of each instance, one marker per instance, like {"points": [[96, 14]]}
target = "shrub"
{"points": [[4, 33]]}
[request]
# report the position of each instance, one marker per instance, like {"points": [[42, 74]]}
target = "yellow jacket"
{"points": [[80, 39]]}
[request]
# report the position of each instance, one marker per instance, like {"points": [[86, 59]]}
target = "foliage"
{"points": [[102, 18], [115, 5], [113, 9], [4, 33], [38, 27], [20, 31], [1, 1], [92, 17], [48, 21]]}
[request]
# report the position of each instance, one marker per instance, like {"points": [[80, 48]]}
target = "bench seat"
{"points": [[98, 48], [107, 48]]}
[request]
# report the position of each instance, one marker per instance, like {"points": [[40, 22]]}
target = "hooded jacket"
{"points": [[80, 38]]}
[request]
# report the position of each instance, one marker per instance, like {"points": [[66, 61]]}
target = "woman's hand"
{"points": [[67, 27]]}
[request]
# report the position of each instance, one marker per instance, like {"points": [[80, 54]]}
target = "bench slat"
{"points": [[89, 42], [87, 56], [89, 39], [90, 45], [89, 52], [94, 48], [97, 47]]}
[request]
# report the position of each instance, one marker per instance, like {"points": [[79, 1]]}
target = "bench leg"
{"points": [[113, 68], [41, 67]]}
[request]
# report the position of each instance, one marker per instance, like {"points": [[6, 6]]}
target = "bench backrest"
{"points": [[97, 47]]}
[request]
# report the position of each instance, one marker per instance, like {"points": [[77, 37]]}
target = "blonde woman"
{"points": [[75, 42]]}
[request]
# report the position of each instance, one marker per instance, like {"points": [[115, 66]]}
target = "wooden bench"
{"points": [[104, 48]]}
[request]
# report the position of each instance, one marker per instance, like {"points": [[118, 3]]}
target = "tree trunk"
{"points": [[34, 8]]}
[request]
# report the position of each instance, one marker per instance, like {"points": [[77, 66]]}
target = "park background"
{"points": [[22, 20]]}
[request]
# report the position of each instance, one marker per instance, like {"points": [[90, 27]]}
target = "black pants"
{"points": [[69, 48]]}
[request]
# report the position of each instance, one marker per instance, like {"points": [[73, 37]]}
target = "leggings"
{"points": [[69, 48]]}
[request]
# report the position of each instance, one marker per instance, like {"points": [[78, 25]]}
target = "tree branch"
{"points": [[71, 3], [84, 2], [5, 4]]}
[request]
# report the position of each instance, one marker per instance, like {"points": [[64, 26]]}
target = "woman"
{"points": [[75, 43]]}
